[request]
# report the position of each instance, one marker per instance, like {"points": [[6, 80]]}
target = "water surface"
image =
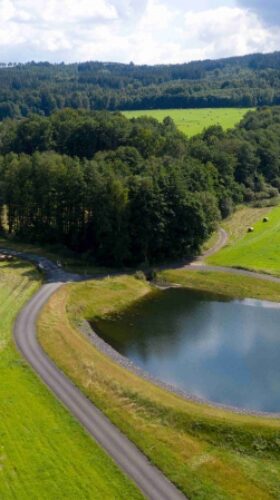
{"points": [[220, 349]]}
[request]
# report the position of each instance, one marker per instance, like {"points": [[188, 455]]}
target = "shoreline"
{"points": [[54, 274], [87, 331]]}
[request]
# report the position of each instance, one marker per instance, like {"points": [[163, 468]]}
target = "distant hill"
{"points": [[41, 88]]}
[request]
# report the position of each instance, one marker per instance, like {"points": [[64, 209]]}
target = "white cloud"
{"points": [[157, 16], [268, 10], [7, 10], [64, 11], [229, 31], [145, 31]]}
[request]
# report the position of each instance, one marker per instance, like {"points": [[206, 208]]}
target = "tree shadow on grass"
{"points": [[28, 269]]}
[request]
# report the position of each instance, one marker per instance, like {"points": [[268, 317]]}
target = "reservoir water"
{"points": [[223, 350]]}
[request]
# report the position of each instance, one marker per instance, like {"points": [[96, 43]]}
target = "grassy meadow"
{"points": [[229, 285], [193, 121], [258, 250], [208, 452], [44, 453]]}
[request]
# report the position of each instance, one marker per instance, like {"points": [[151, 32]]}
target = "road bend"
{"points": [[134, 464], [153, 484]]}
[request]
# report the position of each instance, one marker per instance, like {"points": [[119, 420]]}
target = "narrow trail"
{"points": [[231, 270], [129, 458], [222, 241], [199, 264]]}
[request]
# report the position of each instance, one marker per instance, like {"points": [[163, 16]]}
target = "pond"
{"points": [[220, 349]]}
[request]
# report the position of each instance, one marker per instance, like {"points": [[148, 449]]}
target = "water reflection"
{"points": [[224, 350]]}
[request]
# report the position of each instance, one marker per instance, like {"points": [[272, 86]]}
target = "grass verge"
{"points": [[225, 284], [208, 452], [44, 453]]}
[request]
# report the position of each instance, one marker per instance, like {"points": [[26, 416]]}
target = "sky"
{"points": [[142, 31]]}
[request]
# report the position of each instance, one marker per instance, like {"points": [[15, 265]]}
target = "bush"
{"points": [[272, 192], [139, 275]]}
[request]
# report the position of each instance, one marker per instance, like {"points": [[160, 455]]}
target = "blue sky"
{"points": [[143, 31]]}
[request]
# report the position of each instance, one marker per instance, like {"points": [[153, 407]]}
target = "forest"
{"points": [[42, 88], [129, 192]]}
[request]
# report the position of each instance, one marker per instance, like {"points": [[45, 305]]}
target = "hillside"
{"points": [[129, 192], [42, 88]]}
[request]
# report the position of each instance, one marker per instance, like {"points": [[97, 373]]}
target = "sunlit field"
{"points": [[258, 250], [193, 121]]}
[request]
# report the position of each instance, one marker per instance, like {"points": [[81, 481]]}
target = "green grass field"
{"points": [[208, 452], [256, 251], [229, 285], [193, 121], [44, 453]]}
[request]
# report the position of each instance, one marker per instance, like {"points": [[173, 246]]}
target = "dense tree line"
{"points": [[131, 191], [43, 88]]}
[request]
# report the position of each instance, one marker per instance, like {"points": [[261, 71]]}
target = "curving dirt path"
{"points": [[199, 265], [232, 270], [222, 241]]}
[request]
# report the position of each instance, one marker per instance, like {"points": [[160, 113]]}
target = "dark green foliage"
{"points": [[131, 191], [43, 88]]}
